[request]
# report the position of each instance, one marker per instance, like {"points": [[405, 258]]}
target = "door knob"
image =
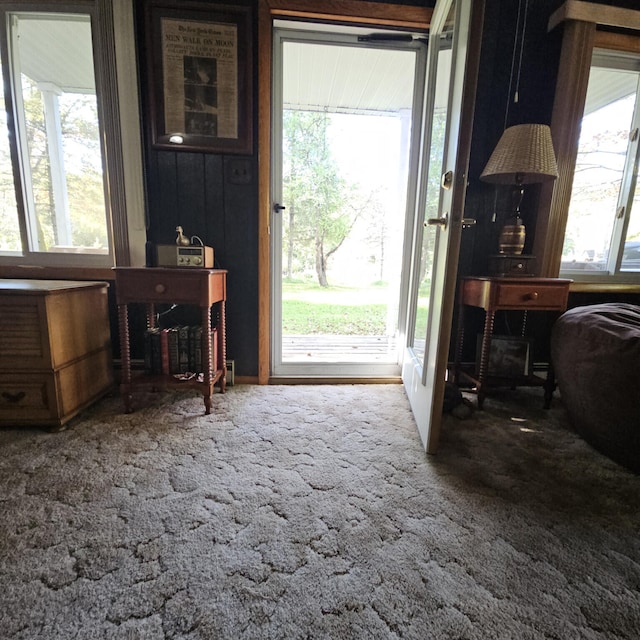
{"points": [[442, 222]]}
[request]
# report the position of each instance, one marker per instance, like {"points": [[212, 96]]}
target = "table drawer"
{"points": [[154, 285], [533, 296], [26, 398], [159, 287]]}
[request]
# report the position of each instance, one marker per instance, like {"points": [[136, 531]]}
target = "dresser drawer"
{"points": [[531, 296], [27, 398]]}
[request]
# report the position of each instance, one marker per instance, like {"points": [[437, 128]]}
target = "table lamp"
{"points": [[524, 155]]}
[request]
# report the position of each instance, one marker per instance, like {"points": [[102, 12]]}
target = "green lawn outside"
{"points": [[309, 309]]}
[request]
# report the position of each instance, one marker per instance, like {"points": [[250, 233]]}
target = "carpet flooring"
{"points": [[313, 512]]}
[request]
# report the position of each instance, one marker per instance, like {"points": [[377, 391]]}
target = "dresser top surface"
{"points": [[523, 280], [38, 287]]}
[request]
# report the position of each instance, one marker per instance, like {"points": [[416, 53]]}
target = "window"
{"points": [[603, 227], [62, 142], [9, 218]]}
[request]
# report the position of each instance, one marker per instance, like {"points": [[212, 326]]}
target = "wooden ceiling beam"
{"points": [[600, 14], [347, 11]]}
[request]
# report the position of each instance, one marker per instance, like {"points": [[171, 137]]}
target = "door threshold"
{"points": [[333, 380]]}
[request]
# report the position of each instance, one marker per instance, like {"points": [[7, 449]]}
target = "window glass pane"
{"points": [[434, 174], [604, 140], [59, 137], [9, 225], [631, 251]]}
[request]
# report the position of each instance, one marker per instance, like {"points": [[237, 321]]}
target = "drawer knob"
{"points": [[13, 397], [533, 295], [160, 288]]}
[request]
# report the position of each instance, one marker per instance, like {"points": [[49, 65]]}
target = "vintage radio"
{"points": [[172, 255]]}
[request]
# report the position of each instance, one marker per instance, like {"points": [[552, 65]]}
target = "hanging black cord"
{"points": [[511, 78], [516, 95], [513, 63]]}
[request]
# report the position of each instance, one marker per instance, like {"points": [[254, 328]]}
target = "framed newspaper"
{"points": [[200, 80]]}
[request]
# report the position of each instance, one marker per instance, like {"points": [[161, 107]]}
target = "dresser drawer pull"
{"points": [[160, 288], [14, 397], [532, 296]]}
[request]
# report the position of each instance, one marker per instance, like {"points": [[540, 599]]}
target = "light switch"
{"points": [[239, 171]]}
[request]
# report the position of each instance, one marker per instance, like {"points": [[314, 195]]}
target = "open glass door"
{"points": [[344, 105], [438, 220]]}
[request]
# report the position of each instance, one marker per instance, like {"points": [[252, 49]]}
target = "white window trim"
{"points": [[116, 74], [129, 220], [607, 58]]}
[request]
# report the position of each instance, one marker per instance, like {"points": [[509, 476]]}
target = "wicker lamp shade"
{"points": [[524, 155]]}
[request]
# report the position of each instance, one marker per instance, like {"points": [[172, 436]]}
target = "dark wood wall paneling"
{"points": [[494, 104], [214, 197]]}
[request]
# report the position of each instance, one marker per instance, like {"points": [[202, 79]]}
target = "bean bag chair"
{"points": [[595, 351]]}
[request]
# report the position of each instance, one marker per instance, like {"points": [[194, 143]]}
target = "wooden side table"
{"points": [[506, 294], [155, 285]]}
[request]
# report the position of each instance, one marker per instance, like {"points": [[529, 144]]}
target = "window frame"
{"points": [[617, 60], [113, 35], [580, 22]]}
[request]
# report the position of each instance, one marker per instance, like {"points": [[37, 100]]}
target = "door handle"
{"points": [[277, 207], [441, 222]]}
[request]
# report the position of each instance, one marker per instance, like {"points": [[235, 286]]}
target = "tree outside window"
{"points": [[603, 226]]}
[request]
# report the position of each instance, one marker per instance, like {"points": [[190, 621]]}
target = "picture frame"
{"points": [[200, 78], [509, 356]]}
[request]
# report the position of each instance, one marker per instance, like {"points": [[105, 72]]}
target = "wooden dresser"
{"points": [[55, 350]]}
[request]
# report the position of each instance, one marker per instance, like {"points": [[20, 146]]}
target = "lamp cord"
{"points": [[516, 94]]}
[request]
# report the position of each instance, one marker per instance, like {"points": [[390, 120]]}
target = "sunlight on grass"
{"points": [[309, 309], [307, 318]]}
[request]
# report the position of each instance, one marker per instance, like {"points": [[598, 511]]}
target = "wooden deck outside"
{"points": [[334, 348]]}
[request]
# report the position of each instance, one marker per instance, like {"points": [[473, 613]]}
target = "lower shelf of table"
{"points": [[169, 380], [501, 381], [496, 382], [164, 382]]}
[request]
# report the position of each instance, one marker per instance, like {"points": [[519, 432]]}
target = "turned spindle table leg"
{"points": [[125, 383], [459, 345], [484, 355], [222, 350], [208, 374]]}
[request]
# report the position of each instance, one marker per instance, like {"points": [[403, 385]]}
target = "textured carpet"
{"points": [[313, 512]]}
